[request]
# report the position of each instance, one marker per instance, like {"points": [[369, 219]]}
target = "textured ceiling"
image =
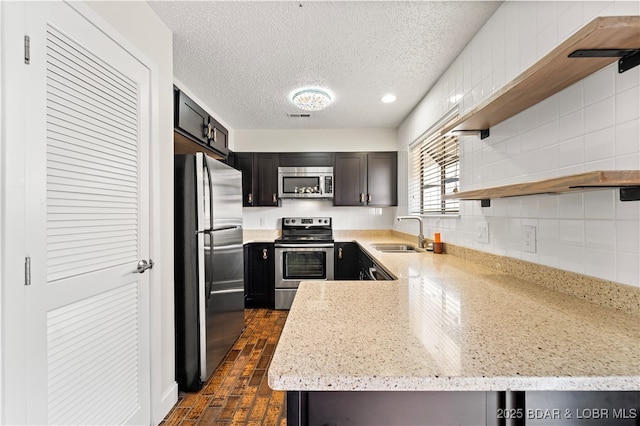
{"points": [[244, 58]]}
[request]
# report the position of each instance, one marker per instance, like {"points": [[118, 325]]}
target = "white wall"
{"points": [[144, 30], [336, 140], [318, 140], [592, 125]]}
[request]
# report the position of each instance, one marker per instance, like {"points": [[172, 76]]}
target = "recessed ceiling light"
{"points": [[388, 98], [311, 99]]}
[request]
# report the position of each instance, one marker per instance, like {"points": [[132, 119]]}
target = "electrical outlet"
{"points": [[262, 222], [529, 238], [482, 232]]}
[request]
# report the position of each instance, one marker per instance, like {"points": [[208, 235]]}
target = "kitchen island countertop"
{"points": [[449, 324]]}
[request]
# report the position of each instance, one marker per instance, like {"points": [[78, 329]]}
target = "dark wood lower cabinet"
{"points": [[259, 275], [449, 408], [346, 265]]}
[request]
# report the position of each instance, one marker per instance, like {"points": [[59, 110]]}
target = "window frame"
{"points": [[447, 147]]}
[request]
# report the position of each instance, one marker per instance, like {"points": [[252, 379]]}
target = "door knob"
{"points": [[143, 265]]}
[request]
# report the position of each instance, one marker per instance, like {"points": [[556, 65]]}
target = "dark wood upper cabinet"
{"points": [[259, 178], [265, 179], [190, 119], [306, 159], [192, 122], [382, 179], [366, 179], [243, 161], [350, 179]]}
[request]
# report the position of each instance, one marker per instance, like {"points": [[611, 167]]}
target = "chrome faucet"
{"points": [[421, 241]]}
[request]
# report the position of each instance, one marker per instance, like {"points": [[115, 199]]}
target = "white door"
{"points": [[86, 135]]}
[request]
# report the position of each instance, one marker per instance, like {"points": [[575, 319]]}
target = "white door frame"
{"points": [[13, 157]]}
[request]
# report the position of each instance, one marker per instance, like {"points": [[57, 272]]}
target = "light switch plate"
{"points": [[482, 232], [529, 238]]}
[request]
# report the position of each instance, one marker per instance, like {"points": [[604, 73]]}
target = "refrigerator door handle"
{"points": [[222, 228], [231, 290], [209, 285]]}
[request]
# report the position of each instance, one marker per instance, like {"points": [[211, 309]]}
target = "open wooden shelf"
{"points": [[579, 182], [554, 72]]}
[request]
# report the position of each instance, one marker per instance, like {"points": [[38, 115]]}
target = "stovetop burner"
{"points": [[306, 230]]}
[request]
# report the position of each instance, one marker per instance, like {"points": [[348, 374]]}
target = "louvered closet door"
{"points": [[87, 127]]}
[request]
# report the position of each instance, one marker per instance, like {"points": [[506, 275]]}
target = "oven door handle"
{"points": [[310, 246]]}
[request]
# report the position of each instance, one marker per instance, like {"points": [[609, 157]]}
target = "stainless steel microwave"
{"points": [[305, 182]]}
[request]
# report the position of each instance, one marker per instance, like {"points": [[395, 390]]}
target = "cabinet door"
{"points": [[219, 137], [306, 159], [382, 179], [346, 265], [259, 275], [265, 179], [350, 179], [243, 161], [191, 119]]}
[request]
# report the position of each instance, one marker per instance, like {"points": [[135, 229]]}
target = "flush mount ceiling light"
{"points": [[311, 99], [387, 99]]}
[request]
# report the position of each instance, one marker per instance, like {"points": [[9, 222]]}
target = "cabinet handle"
{"points": [[340, 253], [207, 131], [215, 135], [362, 197], [250, 198], [368, 198], [264, 254], [274, 198]]}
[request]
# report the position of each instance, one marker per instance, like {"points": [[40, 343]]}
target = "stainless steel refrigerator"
{"points": [[209, 276]]}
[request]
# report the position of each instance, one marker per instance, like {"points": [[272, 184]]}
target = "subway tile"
{"points": [[599, 204], [628, 105], [627, 269], [593, 9], [571, 258], [570, 99], [600, 234], [627, 233], [570, 18], [548, 134], [571, 232], [571, 206], [599, 115], [571, 152], [599, 85], [547, 110], [600, 145], [600, 263], [628, 138], [570, 126], [626, 7], [628, 162], [602, 164]]}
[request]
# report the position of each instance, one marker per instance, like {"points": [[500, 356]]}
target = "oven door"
{"points": [[299, 262]]}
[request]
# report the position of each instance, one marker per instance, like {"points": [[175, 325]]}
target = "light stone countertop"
{"points": [[449, 324]]}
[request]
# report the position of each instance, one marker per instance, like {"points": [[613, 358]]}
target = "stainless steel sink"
{"points": [[395, 248]]}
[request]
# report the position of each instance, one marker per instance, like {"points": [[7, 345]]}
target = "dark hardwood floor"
{"points": [[237, 393]]}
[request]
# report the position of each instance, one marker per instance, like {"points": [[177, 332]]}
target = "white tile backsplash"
{"points": [[599, 115], [592, 125]]}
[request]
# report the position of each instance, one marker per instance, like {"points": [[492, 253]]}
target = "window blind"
{"points": [[434, 170]]}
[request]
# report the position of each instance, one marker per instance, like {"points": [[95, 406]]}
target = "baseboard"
{"points": [[167, 402]]}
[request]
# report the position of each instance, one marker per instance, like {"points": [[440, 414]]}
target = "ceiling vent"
{"points": [[299, 115]]}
